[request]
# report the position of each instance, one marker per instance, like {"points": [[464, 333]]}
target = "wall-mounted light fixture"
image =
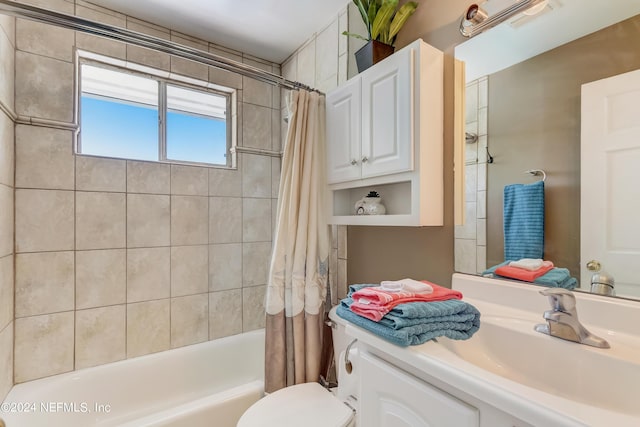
{"points": [[477, 20]]}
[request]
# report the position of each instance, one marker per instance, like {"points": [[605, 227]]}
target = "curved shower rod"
{"points": [[75, 23]]}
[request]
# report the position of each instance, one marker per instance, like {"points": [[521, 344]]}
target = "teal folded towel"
{"points": [[417, 322], [554, 278], [523, 214]]}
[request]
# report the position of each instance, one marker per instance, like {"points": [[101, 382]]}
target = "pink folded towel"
{"points": [[373, 302], [522, 274]]}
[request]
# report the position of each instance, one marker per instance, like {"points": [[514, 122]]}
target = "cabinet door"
{"points": [[389, 397], [343, 132], [387, 116]]}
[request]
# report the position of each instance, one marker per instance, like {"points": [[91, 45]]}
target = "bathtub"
{"points": [[209, 384]]}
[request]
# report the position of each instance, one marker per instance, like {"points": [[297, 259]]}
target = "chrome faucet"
{"points": [[562, 320]]}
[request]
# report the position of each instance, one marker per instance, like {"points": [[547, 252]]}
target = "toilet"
{"points": [[310, 404]]}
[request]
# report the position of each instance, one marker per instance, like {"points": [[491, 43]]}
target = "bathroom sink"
{"points": [[509, 347]]}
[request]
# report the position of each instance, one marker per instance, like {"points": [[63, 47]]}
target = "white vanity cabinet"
{"points": [[392, 398], [384, 133]]}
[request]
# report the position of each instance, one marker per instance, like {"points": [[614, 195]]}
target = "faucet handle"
{"points": [[560, 299]]}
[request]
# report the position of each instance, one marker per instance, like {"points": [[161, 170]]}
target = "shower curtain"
{"points": [[297, 285]]}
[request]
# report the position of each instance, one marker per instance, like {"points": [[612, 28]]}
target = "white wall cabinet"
{"points": [[390, 397], [384, 133]]}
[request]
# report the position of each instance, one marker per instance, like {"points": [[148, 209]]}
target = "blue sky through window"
{"points": [[115, 129], [196, 138]]}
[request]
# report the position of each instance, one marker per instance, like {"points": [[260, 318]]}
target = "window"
{"points": [[141, 117]]}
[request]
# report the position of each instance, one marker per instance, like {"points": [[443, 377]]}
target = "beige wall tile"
{"points": [[342, 278], [96, 44], [225, 182], [189, 180], [225, 266], [101, 174], [253, 308], [6, 220], [148, 57], [189, 220], [256, 176], [44, 283], [255, 263], [333, 275], [256, 126], [148, 274], [254, 91], [44, 158], [64, 6], [148, 329], [327, 52], [7, 67], [186, 67], [276, 165], [256, 220], [189, 270], [44, 87], [7, 150], [189, 320], [225, 220], [147, 177], [43, 346], [225, 313], [100, 336], [100, 220], [148, 220], [222, 77], [342, 241], [101, 278], [44, 220], [306, 70], [276, 130], [43, 39], [6, 290], [6, 360]]}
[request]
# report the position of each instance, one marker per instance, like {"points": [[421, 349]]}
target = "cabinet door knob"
{"points": [[354, 162], [365, 159]]}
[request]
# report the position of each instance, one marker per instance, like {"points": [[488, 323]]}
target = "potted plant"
{"points": [[383, 20]]}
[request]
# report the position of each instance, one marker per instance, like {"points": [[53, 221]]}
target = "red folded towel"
{"points": [[522, 274], [373, 302]]}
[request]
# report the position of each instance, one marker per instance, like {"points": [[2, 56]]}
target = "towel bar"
{"points": [[537, 172]]}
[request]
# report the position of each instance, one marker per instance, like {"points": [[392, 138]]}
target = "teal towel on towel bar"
{"points": [[524, 221], [417, 322]]}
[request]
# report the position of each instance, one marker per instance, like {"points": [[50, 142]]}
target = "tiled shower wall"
{"points": [[117, 259], [316, 64], [7, 55], [471, 238]]}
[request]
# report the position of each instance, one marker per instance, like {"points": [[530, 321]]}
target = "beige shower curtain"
{"points": [[299, 265]]}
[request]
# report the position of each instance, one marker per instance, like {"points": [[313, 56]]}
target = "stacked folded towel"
{"points": [[526, 273], [550, 276], [376, 301], [415, 322]]}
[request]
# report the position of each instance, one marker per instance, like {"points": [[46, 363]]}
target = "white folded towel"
{"points": [[406, 285], [530, 264]]}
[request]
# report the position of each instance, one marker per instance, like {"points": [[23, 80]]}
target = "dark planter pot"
{"points": [[371, 53]]}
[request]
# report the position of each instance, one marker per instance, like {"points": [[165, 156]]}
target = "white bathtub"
{"points": [[209, 384]]}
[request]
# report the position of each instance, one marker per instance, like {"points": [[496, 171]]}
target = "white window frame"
{"points": [[164, 79]]}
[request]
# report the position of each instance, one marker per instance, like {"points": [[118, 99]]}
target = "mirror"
{"points": [[523, 102]]}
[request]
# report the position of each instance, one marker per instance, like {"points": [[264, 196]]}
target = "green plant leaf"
{"points": [[401, 17], [363, 12], [383, 20], [357, 36], [372, 12]]}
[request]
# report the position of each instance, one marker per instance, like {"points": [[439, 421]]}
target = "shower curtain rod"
{"points": [[75, 23]]}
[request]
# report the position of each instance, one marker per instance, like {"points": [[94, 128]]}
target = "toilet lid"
{"points": [[308, 405]]}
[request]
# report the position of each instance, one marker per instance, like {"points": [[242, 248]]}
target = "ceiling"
{"points": [[267, 29]]}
